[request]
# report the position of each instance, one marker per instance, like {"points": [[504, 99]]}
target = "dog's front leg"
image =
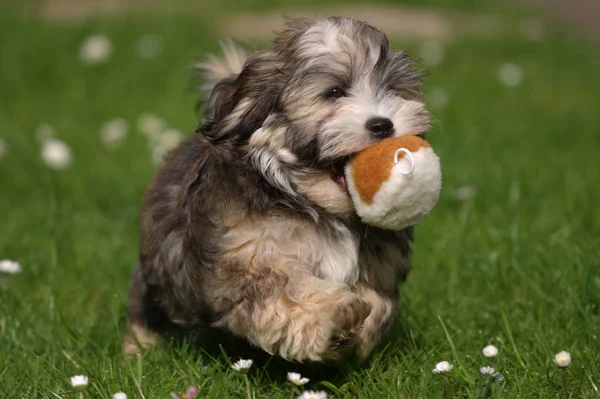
{"points": [[299, 317], [383, 309]]}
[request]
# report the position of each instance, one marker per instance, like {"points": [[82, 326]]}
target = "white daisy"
{"points": [[164, 143], [490, 351], [487, 370], [150, 125], [95, 49], [10, 267], [562, 359], [56, 154], [442, 368], [432, 53], [113, 132], [120, 395], [510, 74], [499, 377], [149, 46], [79, 381], [313, 395], [297, 379], [242, 365]]}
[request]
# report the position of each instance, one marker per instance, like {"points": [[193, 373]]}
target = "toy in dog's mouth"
{"points": [[337, 167]]}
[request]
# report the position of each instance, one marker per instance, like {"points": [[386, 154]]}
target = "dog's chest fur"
{"points": [[329, 250]]}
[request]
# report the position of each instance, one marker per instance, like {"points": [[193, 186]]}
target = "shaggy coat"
{"points": [[248, 225]]}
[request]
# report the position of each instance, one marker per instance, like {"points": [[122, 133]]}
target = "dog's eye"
{"points": [[336, 92]]}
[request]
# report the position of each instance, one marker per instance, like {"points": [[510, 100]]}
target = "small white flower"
{"points": [[499, 377], [56, 154], [120, 395], [297, 379], [432, 53], [487, 370], [442, 368], [510, 74], [149, 46], [243, 365], [164, 143], [95, 49], [562, 359], [44, 132], [150, 125], [313, 395], [3, 147], [79, 381], [490, 351], [10, 266], [114, 132]]}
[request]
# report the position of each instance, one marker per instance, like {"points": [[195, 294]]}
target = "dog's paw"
{"points": [[326, 330], [348, 318], [138, 340]]}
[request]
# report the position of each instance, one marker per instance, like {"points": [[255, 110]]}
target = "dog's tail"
{"points": [[214, 69]]}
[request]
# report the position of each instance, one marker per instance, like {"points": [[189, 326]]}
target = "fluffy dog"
{"points": [[248, 226]]}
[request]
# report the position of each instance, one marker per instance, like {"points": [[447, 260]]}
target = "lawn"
{"points": [[510, 256]]}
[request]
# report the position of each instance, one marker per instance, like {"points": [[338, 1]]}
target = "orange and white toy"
{"points": [[395, 183]]}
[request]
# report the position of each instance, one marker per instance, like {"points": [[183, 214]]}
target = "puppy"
{"points": [[248, 226]]}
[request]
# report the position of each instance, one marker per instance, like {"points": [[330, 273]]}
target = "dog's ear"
{"points": [[240, 104], [292, 30]]}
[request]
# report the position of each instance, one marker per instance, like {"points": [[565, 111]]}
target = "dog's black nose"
{"points": [[380, 127]]}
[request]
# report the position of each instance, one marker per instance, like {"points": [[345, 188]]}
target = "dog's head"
{"points": [[325, 90]]}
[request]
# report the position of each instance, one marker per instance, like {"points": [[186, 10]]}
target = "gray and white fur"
{"points": [[248, 226]]}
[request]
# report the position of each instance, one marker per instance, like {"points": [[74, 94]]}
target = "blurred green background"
{"points": [[92, 93]]}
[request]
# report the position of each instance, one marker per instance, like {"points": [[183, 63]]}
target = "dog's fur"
{"points": [[245, 228]]}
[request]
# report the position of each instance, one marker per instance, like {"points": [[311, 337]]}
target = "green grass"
{"points": [[518, 265]]}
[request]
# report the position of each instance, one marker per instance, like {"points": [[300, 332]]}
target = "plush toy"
{"points": [[395, 182]]}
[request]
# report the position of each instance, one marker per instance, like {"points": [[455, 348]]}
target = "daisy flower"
{"points": [[499, 377], [297, 379], [313, 395], [119, 395], [442, 368], [10, 267], [242, 365], [487, 370], [490, 351], [510, 74], [165, 142], [113, 132], [56, 154], [79, 381], [150, 125], [562, 359], [95, 50]]}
